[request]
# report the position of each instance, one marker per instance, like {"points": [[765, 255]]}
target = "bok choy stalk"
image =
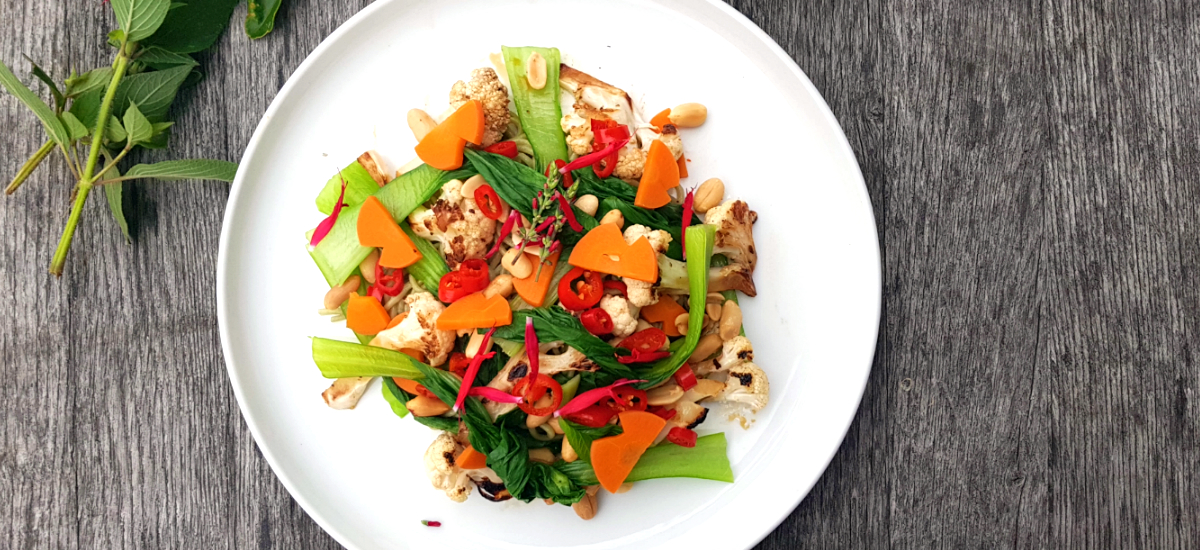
{"points": [[699, 246], [538, 110], [707, 460], [428, 271], [338, 359], [339, 253], [359, 186]]}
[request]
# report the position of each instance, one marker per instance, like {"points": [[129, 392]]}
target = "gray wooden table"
{"points": [[1035, 171]]}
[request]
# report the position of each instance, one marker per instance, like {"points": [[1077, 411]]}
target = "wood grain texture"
{"points": [[1034, 168]]}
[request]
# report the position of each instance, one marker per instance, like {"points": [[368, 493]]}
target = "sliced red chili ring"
{"points": [[628, 399], [389, 284], [662, 412], [580, 289], [682, 436], [685, 377], [470, 277], [645, 340], [597, 321], [504, 148], [604, 168], [544, 385], [618, 286], [594, 416], [488, 201]]}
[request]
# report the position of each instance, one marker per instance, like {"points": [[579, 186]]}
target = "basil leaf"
{"points": [[161, 58], [113, 194], [54, 127], [153, 92], [194, 26], [395, 397], [95, 79], [59, 100], [260, 18], [140, 18], [518, 185], [114, 132], [136, 126], [170, 170], [75, 129]]}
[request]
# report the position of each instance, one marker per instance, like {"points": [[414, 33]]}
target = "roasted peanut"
{"points": [[708, 345], [367, 267], [715, 298], [586, 507], [568, 452], [535, 71], [588, 203], [614, 216], [543, 455], [554, 425], [731, 320], [517, 264], [532, 421], [592, 489], [664, 395], [420, 123], [339, 294], [473, 345], [713, 311], [688, 115], [426, 406], [681, 323], [624, 488], [502, 285], [708, 195], [467, 191], [704, 389]]}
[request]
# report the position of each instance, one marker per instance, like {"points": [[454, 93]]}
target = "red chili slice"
{"points": [[685, 377], [646, 340], [470, 277], [682, 437], [593, 416], [597, 321], [581, 290], [389, 284], [662, 412], [540, 388], [618, 286], [488, 201], [567, 179], [639, 356], [504, 148], [459, 362], [628, 399]]}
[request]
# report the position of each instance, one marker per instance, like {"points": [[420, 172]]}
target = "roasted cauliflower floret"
{"points": [[439, 465], [419, 331], [579, 134], [486, 88], [735, 239], [641, 293], [624, 317], [747, 386], [457, 223], [631, 161], [670, 138], [734, 351]]}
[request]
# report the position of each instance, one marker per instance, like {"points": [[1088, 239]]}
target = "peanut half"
{"points": [[708, 195], [535, 71], [689, 115], [420, 123]]}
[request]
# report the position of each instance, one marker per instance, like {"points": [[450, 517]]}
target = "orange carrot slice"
{"points": [[441, 149], [397, 319], [660, 174], [377, 228], [533, 288], [682, 162], [604, 250], [365, 315], [410, 386], [470, 459], [661, 119], [467, 122], [615, 456], [664, 311], [476, 311]]}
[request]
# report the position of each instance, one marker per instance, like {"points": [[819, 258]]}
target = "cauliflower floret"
{"points": [[669, 137], [579, 134], [630, 163], [456, 222], [485, 87], [734, 351], [439, 464], [641, 293], [623, 317], [735, 239], [747, 386], [419, 331]]}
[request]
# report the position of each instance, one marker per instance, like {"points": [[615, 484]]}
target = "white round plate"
{"points": [[769, 136]]}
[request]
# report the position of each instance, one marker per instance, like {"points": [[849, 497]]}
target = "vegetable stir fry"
{"points": [[541, 287]]}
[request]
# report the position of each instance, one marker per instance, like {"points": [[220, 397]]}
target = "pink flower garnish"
{"points": [[494, 394], [592, 158], [687, 220], [591, 397], [531, 351], [549, 222], [568, 212], [473, 370], [326, 225], [429, 523], [504, 231]]}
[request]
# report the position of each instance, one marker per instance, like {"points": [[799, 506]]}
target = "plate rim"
{"points": [[231, 207]]}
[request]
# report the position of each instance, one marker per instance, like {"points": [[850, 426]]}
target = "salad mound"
{"points": [[539, 287]]}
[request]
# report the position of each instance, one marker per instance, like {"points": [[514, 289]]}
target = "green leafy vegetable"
{"points": [[54, 127], [75, 129], [581, 437], [140, 18], [94, 79], [555, 324], [29, 166], [649, 218], [518, 185], [137, 127], [395, 397], [699, 246], [260, 18], [59, 99], [538, 110], [338, 359], [114, 194], [707, 460], [171, 170], [161, 58], [193, 26], [430, 269], [359, 186]]}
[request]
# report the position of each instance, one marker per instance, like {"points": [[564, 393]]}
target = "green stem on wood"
{"points": [[29, 166], [85, 182]]}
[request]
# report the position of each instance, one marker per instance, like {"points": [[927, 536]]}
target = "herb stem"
{"points": [[112, 163], [85, 181], [29, 166]]}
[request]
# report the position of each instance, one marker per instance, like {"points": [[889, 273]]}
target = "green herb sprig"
{"points": [[97, 118]]}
